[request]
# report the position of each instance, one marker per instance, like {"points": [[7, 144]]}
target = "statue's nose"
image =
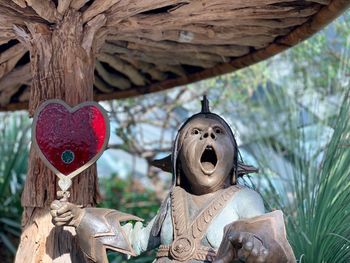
{"points": [[208, 133]]}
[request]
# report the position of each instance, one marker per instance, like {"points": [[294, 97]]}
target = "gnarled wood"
{"points": [[101, 85], [124, 68], [113, 80], [63, 6], [98, 7], [20, 75], [62, 67], [11, 52], [21, 3], [7, 66], [151, 42], [45, 9]]}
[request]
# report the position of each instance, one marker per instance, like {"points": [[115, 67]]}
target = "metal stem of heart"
{"points": [[64, 184], [65, 195]]}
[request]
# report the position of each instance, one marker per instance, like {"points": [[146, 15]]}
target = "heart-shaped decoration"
{"points": [[69, 140]]}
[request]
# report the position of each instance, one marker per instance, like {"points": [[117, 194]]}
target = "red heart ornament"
{"points": [[69, 140]]}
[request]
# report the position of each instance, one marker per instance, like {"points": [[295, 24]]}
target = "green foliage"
{"points": [[14, 142], [129, 196], [315, 197]]}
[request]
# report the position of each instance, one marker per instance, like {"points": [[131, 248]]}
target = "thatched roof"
{"points": [[152, 45]]}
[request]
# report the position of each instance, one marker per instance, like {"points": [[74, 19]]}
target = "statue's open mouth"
{"points": [[208, 160]]}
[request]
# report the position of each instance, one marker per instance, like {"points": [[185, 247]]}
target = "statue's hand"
{"points": [[244, 246], [65, 214]]}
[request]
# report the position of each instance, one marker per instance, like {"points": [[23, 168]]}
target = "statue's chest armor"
{"points": [[214, 232]]}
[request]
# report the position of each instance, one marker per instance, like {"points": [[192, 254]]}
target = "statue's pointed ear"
{"points": [[164, 164], [245, 169]]}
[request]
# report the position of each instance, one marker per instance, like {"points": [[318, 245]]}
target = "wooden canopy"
{"points": [[152, 45]]}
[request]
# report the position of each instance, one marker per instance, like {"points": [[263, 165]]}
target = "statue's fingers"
{"points": [[226, 252], [53, 213], [263, 253], [241, 237], [236, 239], [257, 247], [247, 247], [69, 213], [248, 242], [258, 253], [261, 259], [65, 208], [63, 219], [55, 205]]}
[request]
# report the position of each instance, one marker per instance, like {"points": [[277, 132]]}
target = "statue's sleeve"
{"points": [[101, 229], [140, 237]]}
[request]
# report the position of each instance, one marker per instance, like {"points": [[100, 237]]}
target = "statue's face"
{"points": [[206, 154]]}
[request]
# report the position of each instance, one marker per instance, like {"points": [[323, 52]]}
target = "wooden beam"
{"points": [[20, 3], [77, 4], [148, 68], [257, 41], [101, 85], [7, 66], [123, 67], [20, 75], [12, 14], [12, 51], [116, 81], [167, 57], [45, 9], [7, 93], [178, 18], [174, 47], [63, 6], [98, 7], [90, 31]]}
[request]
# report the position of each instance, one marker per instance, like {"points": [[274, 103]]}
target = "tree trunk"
{"points": [[62, 64]]}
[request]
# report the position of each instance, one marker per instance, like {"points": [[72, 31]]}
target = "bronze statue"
{"points": [[207, 216]]}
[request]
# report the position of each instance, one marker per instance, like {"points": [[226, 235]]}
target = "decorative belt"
{"points": [[180, 248]]}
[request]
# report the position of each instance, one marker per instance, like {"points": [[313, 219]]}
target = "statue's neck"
{"points": [[202, 200]]}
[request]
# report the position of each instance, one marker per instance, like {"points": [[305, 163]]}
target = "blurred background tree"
{"points": [[291, 118]]}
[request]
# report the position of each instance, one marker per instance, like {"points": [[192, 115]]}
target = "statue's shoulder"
{"points": [[246, 198], [245, 192]]}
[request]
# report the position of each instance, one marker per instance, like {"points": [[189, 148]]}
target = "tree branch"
{"points": [[45, 9]]}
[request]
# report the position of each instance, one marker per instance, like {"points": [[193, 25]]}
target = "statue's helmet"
{"points": [[204, 152]]}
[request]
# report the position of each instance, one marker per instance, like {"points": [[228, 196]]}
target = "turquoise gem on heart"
{"points": [[67, 156]]}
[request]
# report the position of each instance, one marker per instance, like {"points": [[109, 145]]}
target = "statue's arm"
{"points": [[256, 236], [99, 229]]}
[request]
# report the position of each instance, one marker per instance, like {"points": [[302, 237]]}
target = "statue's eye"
{"points": [[218, 130], [195, 131]]}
